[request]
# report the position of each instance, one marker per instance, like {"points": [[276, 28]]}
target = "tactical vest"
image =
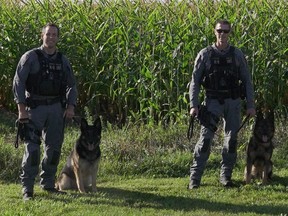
{"points": [[49, 80], [223, 74]]}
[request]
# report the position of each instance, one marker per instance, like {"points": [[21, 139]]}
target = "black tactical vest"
{"points": [[223, 73], [50, 79]]}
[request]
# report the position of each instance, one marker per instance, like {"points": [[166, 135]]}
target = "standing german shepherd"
{"points": [[81, 168], [260, 148]]}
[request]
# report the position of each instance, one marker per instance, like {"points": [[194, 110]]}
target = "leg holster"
{"points": [[28, 132]]}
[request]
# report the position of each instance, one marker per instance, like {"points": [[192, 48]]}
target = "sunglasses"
{"points": [[222, 31]]}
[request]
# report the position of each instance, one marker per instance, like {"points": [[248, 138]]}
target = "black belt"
{"points": [[214, 94], [223, 94], [34, 103]]}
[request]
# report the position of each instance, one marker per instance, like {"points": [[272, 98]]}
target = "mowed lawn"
{"points": [[154, 196]]}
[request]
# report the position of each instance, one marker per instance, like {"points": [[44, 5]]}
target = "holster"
{"points": [[26, 132], [207, 119], [20, 130]]}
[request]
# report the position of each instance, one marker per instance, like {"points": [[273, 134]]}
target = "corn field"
{"points": [[133, 59]]}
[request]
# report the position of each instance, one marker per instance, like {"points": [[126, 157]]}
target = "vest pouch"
{"points": [[210, 81], [222, 73], [50, 88], [50, 79]]}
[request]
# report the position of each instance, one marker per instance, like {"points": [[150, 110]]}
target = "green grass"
{"points": [[153, 196], [145, 171]]}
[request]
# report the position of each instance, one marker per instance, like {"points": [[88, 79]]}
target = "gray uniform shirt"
{"points": [[202, 61], [29, 64]]}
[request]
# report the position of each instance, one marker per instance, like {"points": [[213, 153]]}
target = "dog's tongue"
{"points": [[265, 138]]}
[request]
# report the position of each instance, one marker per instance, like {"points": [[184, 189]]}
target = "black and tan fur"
{"points": [[260, 148], [80, 170]]}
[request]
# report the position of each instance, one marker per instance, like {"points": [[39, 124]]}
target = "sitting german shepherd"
{"points": [[260, 148], [81, 168]]}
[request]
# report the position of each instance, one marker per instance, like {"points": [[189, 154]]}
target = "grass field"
{"points": [[144, 171], [153, 196]]}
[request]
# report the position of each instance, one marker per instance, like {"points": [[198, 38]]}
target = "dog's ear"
{"points": [[271, 119], [259, 115], [271, 115], [97, 123], [84, 124]]}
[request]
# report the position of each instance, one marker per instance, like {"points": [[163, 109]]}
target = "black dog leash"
{"points": [[16, 143], [75, 120], [243, 123], [20, 124], [190, 128]]}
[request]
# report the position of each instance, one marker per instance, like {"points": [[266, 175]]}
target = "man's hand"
{"points": [[69, 112], [23, 116], [194, 111], [251, 112]]}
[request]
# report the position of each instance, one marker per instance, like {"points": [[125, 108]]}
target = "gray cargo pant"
{"points": [[48, 120], [230, 111]]}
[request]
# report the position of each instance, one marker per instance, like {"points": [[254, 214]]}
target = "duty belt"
{"points": [[221, 95], [215, 94], [32, 103]]}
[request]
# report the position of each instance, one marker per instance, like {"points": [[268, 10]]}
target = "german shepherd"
{"points": [[81, 167], [260, 148]]}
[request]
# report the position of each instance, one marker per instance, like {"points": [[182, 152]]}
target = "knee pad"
{"points": [[55, 158], [35, 158], [232, 146]]}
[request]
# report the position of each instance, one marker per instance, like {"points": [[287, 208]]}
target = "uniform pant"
{"points": [[47, 120], [230, 112]]}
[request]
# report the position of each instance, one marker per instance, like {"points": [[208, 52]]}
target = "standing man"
{"points": [[220, 69], [45, 91]]}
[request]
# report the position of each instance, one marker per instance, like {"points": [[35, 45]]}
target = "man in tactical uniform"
{"points": [[221, 69], [45, 91]]}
